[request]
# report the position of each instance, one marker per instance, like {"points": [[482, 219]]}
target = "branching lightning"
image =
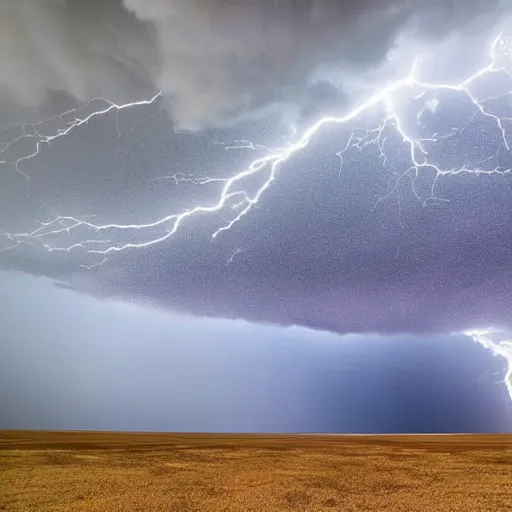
{"points": [[235, 201], [232, 195], [71, 120], [499, 345]]}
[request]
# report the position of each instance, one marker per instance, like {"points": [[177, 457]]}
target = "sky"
{"points": [[186, 243], [86, 364]]}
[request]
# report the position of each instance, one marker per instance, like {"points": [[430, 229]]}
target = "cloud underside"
{"points": [[378, 278], [324, 259], [215, 59], [316, 252]]}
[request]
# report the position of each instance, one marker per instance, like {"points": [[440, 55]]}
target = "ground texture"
{"points": [[78, 471]]}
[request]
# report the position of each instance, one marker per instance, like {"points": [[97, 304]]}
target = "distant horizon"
{"points": [[349, 434]]}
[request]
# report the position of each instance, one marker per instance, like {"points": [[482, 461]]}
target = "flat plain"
{"points": [[106, 471]]}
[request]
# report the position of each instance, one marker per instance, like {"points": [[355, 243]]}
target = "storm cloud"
{"points": [[215, 60], [320, 250], [325, 259]]}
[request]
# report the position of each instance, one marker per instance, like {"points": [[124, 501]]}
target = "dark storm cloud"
{"points": [[324, 259], [213, 58], [316, 252]]}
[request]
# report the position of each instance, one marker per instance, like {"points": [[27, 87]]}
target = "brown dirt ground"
{"points": [[128, 472]]}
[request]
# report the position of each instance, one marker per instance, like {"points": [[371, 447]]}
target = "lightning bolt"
{"points": [[234, 255], [180, 177], [239, 202], [232, 194], [34, 132], [494, 341]]}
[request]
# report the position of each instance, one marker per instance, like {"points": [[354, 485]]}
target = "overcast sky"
{"points": [[81, 363], [338, 302]]}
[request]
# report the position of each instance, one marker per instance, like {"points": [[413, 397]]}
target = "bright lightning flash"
{"points": [[235, 199], [232, 190], [492, 340]]}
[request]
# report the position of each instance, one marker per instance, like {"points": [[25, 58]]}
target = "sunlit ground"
{"points": [[47, 471]]}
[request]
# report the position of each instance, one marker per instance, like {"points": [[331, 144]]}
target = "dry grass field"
{"points": [[78, 471]]}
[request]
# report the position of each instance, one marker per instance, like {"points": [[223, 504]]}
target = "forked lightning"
{"points": [[52, 235]]}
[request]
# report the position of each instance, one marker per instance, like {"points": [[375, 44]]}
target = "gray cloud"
{"points": [[315, 252], [214, 59]]}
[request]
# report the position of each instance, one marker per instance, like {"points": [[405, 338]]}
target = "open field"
{"points": [[78, 471]]}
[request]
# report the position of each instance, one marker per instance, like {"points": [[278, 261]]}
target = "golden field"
{"points": [[127, 472]]}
